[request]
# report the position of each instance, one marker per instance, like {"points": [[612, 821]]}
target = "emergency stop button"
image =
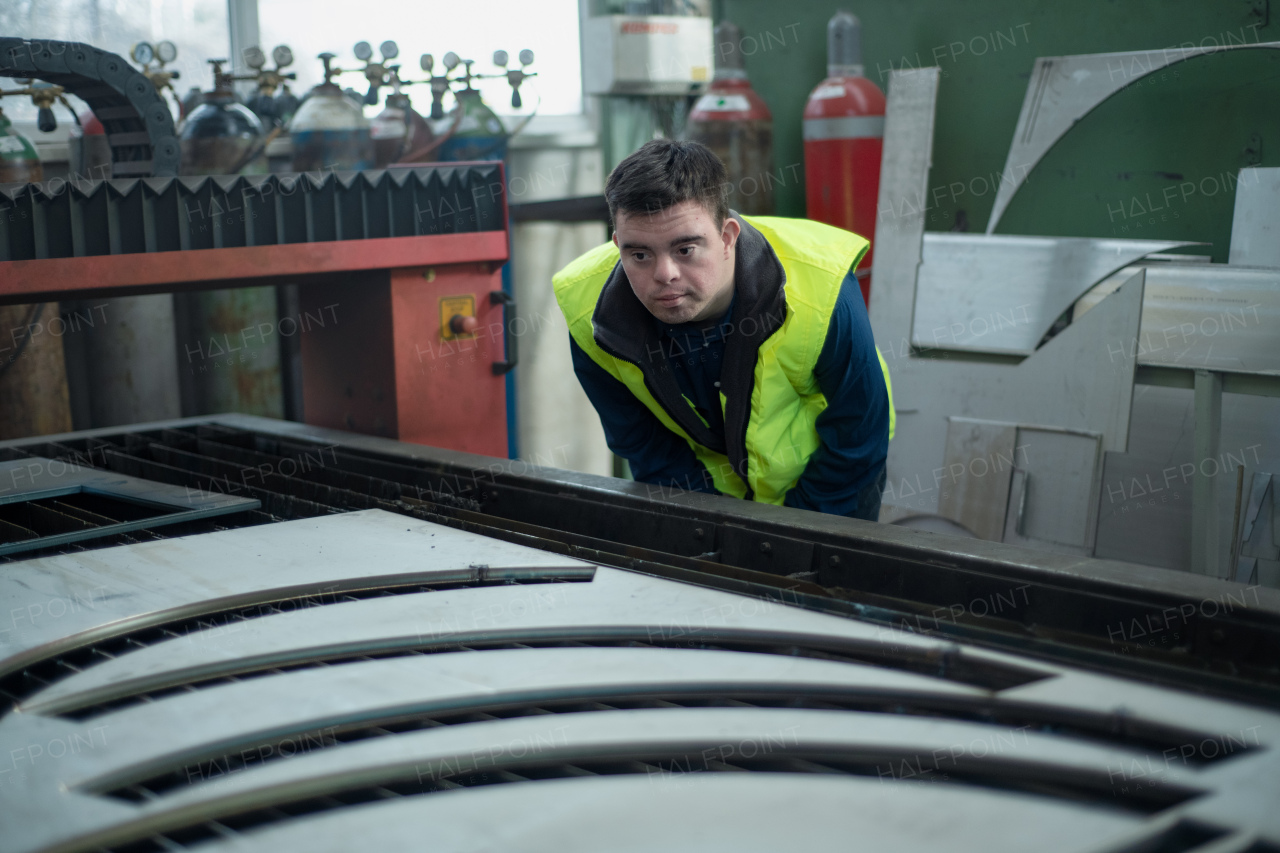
{"points": [[458, 317]]}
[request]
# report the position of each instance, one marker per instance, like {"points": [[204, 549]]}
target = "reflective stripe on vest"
{"points": [[785, 399]]}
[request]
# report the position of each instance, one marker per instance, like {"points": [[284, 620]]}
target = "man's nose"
{"points": [[665, 270]]}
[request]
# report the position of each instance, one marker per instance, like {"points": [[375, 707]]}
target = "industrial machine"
{"points": [[401, 320], [735, 123], [844, 142], [236, 633]]}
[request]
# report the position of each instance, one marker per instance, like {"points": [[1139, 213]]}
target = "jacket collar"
{"points": [[624, 328]]}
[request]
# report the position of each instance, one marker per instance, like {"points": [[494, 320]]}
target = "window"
{"points": [[472, 30]]}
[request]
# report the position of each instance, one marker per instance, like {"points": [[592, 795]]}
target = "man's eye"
{"points": [[686, 250], [637, 256]]}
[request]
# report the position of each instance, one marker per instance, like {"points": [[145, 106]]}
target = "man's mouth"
{"points": [[669, 300]]}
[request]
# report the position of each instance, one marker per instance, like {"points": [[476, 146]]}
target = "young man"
{"points": [[724, 353]]}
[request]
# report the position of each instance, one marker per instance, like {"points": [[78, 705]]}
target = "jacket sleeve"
{"points": [[656, 454], [853, 431]]}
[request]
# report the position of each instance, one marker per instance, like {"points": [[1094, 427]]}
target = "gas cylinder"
{"points": [[221, 135], [19, 162], [477, 132], [398, 129], [735, 123], [88, 151], [329, 129], [843, 141]]}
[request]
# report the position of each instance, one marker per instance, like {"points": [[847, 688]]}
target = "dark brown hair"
{"points": [[664, 173]]}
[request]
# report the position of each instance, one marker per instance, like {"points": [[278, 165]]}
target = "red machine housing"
{"points": [[843, 143]]}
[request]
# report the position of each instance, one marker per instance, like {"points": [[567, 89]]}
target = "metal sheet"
{"points": [[1002, 294], [976, 495], [904, 178], [1255, 225], [1063, 89], [1058, 504], [1080, 380], [84, 599], [1207, 316]]}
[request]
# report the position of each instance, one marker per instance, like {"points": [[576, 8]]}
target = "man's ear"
{"points": [[615, 238], [729, 234]]}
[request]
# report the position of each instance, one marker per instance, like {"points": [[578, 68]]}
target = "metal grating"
{"points": [[45, 503], [84, 218]]}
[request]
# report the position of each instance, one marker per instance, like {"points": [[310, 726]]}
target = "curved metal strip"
{"points": [[157, 737], [617, 606], [1063, 89], [76, 600], [740, 812]]}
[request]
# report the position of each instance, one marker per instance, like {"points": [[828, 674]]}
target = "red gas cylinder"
{"points": [[735, 123], [843, 141], [89, 154]]}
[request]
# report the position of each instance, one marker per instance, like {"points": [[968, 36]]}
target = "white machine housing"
{"points": [[647, 54]]}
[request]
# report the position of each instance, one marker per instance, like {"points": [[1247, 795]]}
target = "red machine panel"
{"points": [[391, 364]]}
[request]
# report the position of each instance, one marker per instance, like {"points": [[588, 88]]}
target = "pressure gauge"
{"points": [[254, 58], [166, 51], [450, 60], [282, 55], [500, 58], [526, 57], [389, 49], [363, 51], [427, 62], [143, 53]]}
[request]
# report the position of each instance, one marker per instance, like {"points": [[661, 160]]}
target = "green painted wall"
{"points": [[1198, 123]]}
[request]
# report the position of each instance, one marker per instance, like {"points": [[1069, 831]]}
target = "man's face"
{"points": [[679, 263]]}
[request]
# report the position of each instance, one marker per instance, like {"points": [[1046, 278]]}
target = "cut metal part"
{"points": [[1001, 294], [1064, 89], [398, 671]]}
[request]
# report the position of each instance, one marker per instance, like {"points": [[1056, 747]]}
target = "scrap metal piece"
{"points": [[1001, 294], [1207, 316], [1255, 225], [1064, 89]]}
